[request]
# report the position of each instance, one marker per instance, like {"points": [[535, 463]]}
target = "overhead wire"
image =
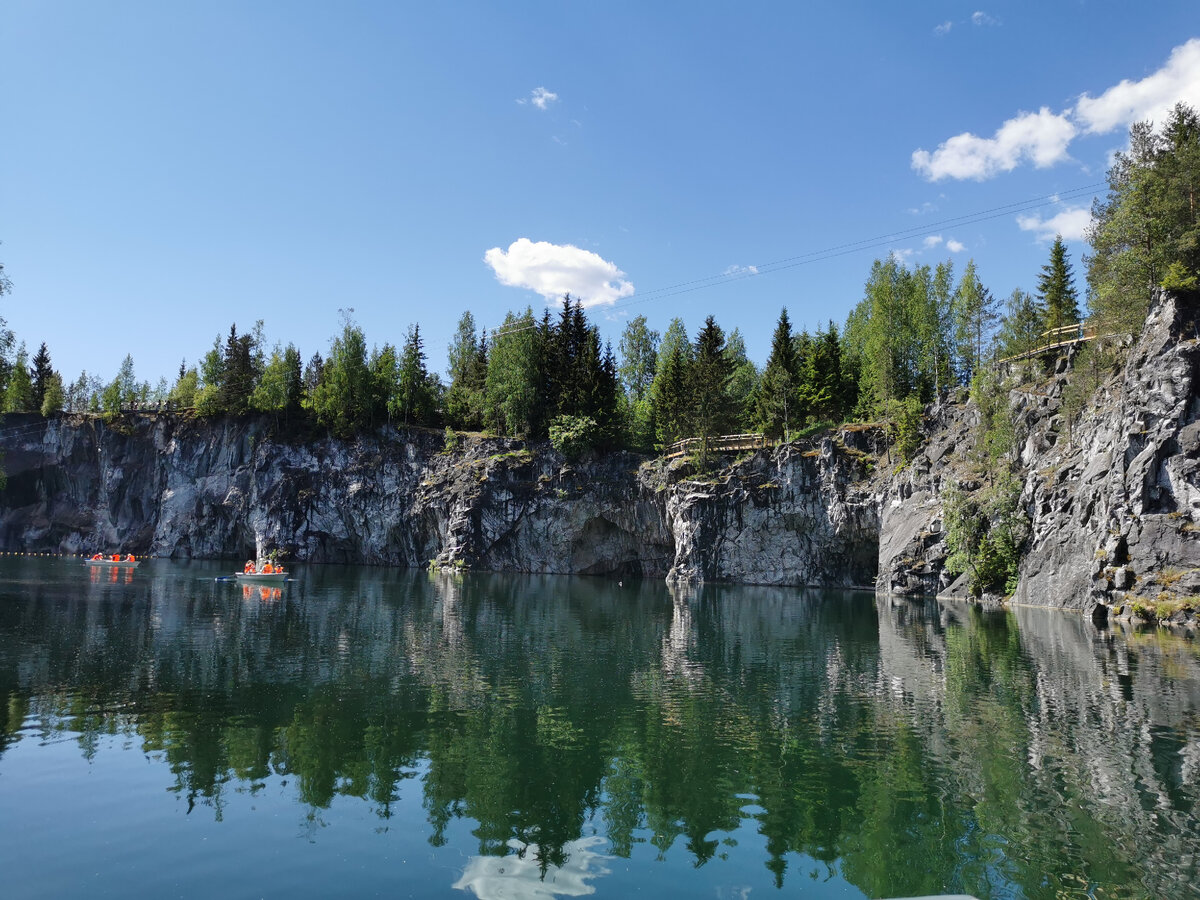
{"points": [[791, 262]]}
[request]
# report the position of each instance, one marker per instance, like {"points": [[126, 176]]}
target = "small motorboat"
{"points": [[127, 562], [262, 577]]}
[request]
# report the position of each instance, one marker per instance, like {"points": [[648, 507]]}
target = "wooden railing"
{"points": [[720, 444], [1056, 339]]}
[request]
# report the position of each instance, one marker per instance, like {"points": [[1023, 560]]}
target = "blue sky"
{"points": [[168, 169]]}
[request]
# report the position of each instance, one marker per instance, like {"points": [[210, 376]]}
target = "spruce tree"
{"points": [[415, 398], [776, 412], [711, 412], [1056, 289], [40, 374], [669, 392]]}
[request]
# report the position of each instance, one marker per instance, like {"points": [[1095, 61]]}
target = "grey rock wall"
{"points": [[170, 486], [1113, 499]]}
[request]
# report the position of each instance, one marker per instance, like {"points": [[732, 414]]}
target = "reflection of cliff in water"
{"points": [[1075, 749], [917, 747]]}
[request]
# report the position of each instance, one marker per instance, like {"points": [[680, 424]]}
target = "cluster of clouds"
{"points": [[1043, 137], [936, 240], [978, 18], [539, 97], [556, 269]]}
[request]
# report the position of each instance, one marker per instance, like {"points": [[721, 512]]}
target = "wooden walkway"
{"points": [[722, 444], [1058, 338]]}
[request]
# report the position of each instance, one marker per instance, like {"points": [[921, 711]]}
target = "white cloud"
{"points": [[983, 19], [556, 269], [1151, 98], [903, 254], [741, 270], [1040, 137], [541, 98], [932, 241], [1043, 137], [955, 246], [944, 28], [1071, 223]]}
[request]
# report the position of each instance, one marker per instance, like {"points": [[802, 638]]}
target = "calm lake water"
{"points": [[367, 732]]}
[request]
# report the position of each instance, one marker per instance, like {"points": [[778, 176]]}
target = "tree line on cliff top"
{"points": [[916, 332]]}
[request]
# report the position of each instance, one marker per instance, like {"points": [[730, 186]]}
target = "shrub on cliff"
{"points": [[572, 436]]}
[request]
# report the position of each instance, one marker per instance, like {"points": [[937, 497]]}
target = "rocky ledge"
{"points": [[1112, 498]]}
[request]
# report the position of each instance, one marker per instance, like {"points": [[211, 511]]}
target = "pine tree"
{"points": [[1056, 289], [40, 375], [711, 413], [669, 391], [775, 406], [415, 399]]}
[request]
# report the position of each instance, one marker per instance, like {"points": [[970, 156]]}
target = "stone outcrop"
{"points": [[1112, 495], [178, 487]]}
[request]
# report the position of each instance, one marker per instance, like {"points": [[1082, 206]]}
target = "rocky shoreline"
{"points": [[1113, 498]]}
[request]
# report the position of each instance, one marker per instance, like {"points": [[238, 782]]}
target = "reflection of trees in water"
{"points": [[916, 747]]}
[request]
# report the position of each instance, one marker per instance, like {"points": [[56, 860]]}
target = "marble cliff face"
{"points": [[1112, 499]]}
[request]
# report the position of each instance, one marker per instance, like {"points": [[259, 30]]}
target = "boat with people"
{"points": [[126, 561], [267, 573]]}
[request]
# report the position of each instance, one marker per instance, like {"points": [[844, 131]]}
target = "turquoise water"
{"points": [[367, 732]]}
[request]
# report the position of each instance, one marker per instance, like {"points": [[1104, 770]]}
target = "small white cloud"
{"points": [[955, 246], [932, 241], [982, 19], [556, 269], [542, 98], [942, 29], [903, 255], [1040, 137], [1071, 223], [1151, 98], [741, 270]]}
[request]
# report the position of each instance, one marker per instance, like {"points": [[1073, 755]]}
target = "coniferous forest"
{"points": [[916, 334]]}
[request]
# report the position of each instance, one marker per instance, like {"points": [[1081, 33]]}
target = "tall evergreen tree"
{"points": [[40, 373], [775, 407], [1056, 289], [711, 412], [669, 391], [240, 370], [414, 404]]}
